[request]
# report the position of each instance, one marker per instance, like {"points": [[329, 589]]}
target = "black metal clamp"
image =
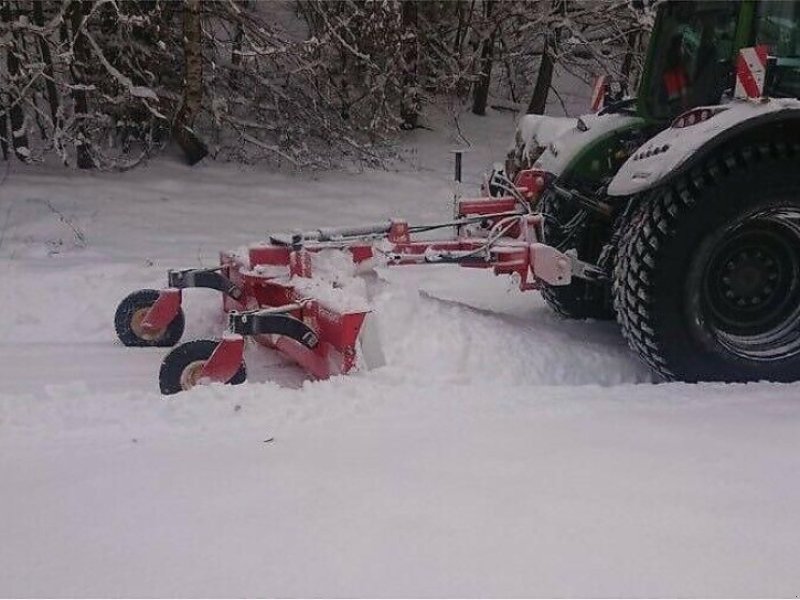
{"points": [[274, 321], [203, 278]]}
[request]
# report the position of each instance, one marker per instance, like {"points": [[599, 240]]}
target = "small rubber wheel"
{"points": [[128, 322], [181, 368]]}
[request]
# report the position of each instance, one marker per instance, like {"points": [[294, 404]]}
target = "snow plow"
{"points": [[676, 212], [271, 293]]}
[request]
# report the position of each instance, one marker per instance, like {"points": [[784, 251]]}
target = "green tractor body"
{"points": [[687, 196], [703, 39]]}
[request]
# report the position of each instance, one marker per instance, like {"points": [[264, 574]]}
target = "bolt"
{"points": [[729, 294]]}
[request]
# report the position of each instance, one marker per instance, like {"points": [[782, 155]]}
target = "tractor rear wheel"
{"points": [[707, 280], [581, 299]]}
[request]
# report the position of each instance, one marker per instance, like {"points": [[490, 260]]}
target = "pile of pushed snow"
{"points": [[334, 282], [467, 326]]}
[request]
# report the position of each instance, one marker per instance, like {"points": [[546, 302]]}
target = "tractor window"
{"points": [[692, 65], [778, 27]]}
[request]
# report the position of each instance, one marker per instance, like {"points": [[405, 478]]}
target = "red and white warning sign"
{"points": [[751, 71], [599, 92]]}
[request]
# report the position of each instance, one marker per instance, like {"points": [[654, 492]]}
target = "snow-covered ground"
{"points": [[500, 452]]}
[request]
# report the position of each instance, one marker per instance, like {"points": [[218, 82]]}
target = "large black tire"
{"points": [[130, 312], [707, 280], [580, 299], [177, 367]]}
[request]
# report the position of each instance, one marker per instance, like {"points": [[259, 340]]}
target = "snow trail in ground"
{"points": [[501, 451]]}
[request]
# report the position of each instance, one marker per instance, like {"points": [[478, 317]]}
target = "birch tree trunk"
{"points": [[192, 145]]}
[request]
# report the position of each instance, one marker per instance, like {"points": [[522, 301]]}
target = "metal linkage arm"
{"points": [[332, 234], [585, 270], [591, 204], [271, 322], [203, 278]]}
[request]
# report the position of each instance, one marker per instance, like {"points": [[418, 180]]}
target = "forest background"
{"points": [[106, 84]]}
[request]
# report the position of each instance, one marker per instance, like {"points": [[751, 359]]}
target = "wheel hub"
{"points": [[192, 374], [751, 278], [138, 328], [752, 286]]}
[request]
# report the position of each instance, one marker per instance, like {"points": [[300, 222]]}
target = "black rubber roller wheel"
{"points": [[580, 299], [128, 322], [707, 280], [181, 368]]}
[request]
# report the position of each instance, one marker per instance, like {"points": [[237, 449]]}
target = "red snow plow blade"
{"points": [[273, 296]]}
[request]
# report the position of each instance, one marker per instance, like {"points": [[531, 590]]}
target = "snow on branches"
{"points": [[300, 83]]}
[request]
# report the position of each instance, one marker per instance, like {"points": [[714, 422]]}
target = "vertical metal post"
{"points": [[457, 178]]}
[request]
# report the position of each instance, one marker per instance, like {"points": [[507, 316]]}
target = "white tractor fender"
{"points": [[562, 150], [535, 133], [673, 150], [552, 143]]}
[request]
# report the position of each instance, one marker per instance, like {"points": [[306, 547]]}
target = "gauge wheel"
{"points": [[181, 369], [130, 316]]}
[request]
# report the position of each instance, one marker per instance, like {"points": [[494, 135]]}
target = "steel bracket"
{"points": [[203, 278], [271, 323]]}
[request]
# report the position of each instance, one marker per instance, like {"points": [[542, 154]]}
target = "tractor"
{"points": [[685, 198], [676, 212]]}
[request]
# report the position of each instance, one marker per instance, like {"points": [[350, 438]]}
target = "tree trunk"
{"points": [[44, 48], [3, 128], [632, 42], [77, 11], [409, 102], [544, 79], [4, 85], [481, 91], [507, 64], [192, 145], [19, 137], [460, 17], [236, 49]]}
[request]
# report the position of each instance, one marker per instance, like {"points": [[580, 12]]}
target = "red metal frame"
{"points": [[496, 233], [163, 311], [225, 361]]}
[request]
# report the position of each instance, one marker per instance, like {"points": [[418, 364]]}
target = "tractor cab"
{"points": [[691, 62], [695, 45], [691, 56]]}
